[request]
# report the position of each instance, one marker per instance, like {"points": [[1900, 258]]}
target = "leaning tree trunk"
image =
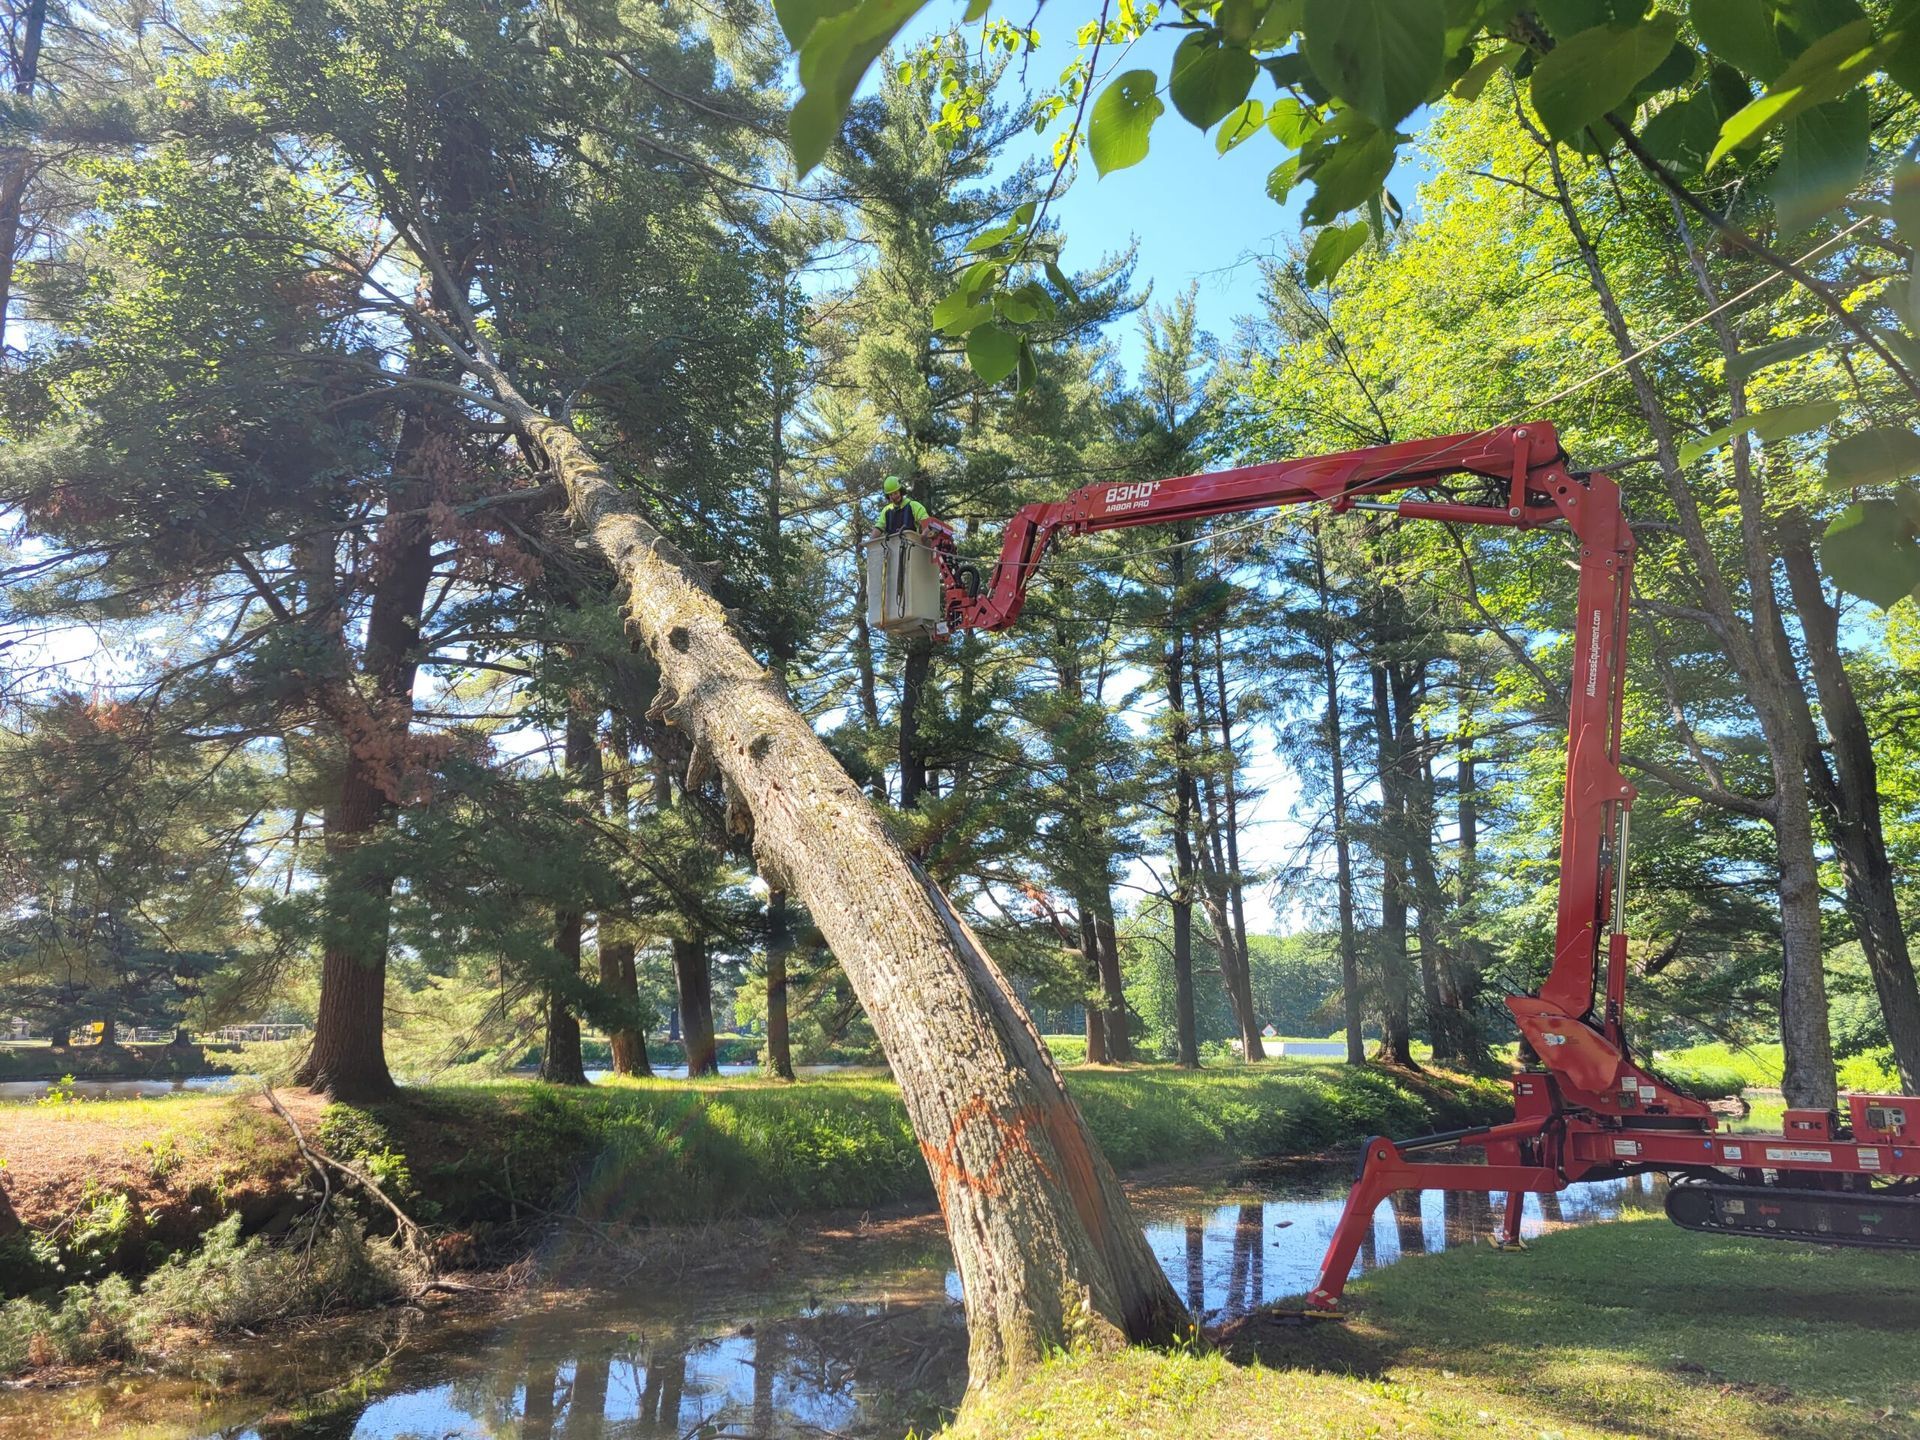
{"points": [[1045, 1242]]}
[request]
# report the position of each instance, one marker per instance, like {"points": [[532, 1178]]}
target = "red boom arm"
{"points": [[1525, 483], [1589, 1111]]}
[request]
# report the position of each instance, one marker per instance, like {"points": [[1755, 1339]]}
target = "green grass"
{"points": [[1635, 1328], [1759, 1066], [667, 1151]]}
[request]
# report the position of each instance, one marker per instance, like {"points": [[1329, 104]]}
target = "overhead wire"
{"points": [[1473, 436]]}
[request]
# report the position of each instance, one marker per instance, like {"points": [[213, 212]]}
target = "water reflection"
{"points": [[703, 1361], [1239, 1257]]}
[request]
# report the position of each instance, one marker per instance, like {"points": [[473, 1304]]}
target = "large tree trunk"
{"points": [[1235, 970], [863, 661], [1186, 1033], [1117, 1026], [693, 976], [1236, 878], [1396, 984], [1044, 1240], [1851, 807], [779, 1056], [1351, 1000], [913, 691], [618, 974], [348, 1056], [19, 168], [1095, 1008], [561, 1062]]}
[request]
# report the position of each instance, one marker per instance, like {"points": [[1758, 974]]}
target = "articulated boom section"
{"points": [[1584, 1110]]}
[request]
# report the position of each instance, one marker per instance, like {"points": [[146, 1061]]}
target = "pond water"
{"points": [[864, 1342]]}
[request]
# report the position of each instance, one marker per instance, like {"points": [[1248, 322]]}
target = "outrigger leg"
{"points": [[1385, 1169]]}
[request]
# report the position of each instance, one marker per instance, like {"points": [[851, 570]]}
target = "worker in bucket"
{"points": [[900, 511]]}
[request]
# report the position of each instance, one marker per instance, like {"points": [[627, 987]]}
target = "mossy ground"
{"points": [[1628, 1329]]}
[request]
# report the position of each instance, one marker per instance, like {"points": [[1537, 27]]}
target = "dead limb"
{"points": [[412, 1236]]}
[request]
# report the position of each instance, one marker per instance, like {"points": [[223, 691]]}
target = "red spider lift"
{"points": [[1584, 1108]]}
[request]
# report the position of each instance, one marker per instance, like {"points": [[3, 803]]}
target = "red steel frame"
{"points": [[1591, 1112]]}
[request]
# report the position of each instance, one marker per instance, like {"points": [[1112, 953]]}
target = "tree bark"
{"points": [[561, 1062], [779, 1057], [1395, 971], [1351, 998], [348, 1059], [618, 974], [863, 638], [1186, 1035], [1096, 1010], [1851, 808], [1044, 1240], [913, 689], [1118, 1028], [1236, 973], [14, 177], [1236, 878], [693, 977]]}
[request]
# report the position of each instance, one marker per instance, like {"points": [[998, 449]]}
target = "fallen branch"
{"points": [[412, 1235]]}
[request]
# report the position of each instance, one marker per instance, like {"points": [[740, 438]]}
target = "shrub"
{"points": [[1706, 1082]]}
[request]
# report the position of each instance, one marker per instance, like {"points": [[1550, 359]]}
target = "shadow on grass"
{"points": [[1636, 1326]]}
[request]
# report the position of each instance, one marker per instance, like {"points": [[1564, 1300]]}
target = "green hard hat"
{"points": [[891, 484]]}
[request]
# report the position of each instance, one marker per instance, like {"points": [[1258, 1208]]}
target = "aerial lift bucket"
{"points": [[906, 593]]}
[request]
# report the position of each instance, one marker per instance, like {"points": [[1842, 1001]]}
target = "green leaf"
{"points": [[992, 236], [1595, 71], [1334, 246], [1282, 178], [1351, 170], [1027, 369], [1822, 157], [1057, 278], [993, 353], [1291, 123], [1824, 71], [1766, 425], [976, 10], [1873, 457], [1243, 124], [1677, 70], [1469, 85], [1567, 18], [798, 17], [1739, 32], [1276, 27], [836, 54], [1900, 46], [1237, 20], [1870, 551], [1209, 79], [1749, 363], [1682, 135], [966, 305], [1122, 120], [1383, 57]]}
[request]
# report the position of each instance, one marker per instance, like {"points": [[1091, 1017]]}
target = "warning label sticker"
{"points": [[1732, 1152], [1626, 1147], [1869, 1157], [1788, 1152]]}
